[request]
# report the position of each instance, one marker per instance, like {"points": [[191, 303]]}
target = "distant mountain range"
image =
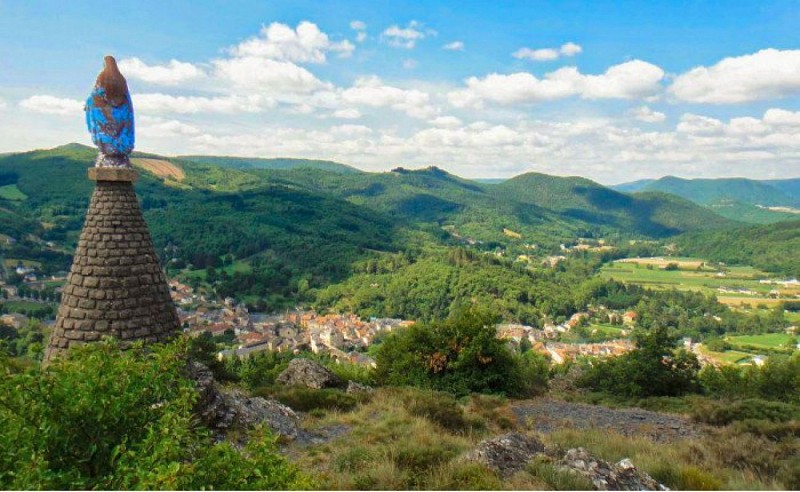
{"points": [[535, 208], [310, 220], [741, 199]]}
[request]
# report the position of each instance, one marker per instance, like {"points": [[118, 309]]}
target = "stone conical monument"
{"points": [[116, 286]]}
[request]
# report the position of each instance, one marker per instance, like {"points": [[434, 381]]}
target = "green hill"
{"points": [[286, 234], [770, 247], [650, 214], [708, 191], [741, 199], [277, 163]]}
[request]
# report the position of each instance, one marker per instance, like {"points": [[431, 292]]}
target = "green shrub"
{"points": [[352, 460], [104, 418], [492, 408], [778, 379], [679, 477], [775, 431], [352, 372], [466, 475], [558, 478], [441, 409], [417, 458], [653, 369], [725, 412], [309, 399], [460, 356]]}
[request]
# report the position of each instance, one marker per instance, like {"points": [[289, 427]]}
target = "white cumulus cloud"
{"points": [[173, 73], [157, 103], [454, 46], [644, 113], [52, 105], [627, 80], [154, 127], [304, 44], [263, 75], [406, 37], [547, 54], [347, 113], [446, 122], [361, 30], [766, 74], [371, 91], [782, 117]]}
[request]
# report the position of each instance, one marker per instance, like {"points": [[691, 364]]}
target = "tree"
{"points": [[461, 355], [653, 369]]}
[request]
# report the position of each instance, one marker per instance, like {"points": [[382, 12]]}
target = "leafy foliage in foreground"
{"points": [[653, 369], [460, 356], [111, 419]]}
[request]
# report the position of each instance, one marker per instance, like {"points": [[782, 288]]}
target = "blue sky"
{"points": [[609, 90]]}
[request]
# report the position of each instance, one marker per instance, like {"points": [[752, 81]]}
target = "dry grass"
{"points": [[389, 447], [753, 301]]}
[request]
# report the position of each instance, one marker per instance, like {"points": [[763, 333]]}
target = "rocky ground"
{"points": [[546, 415]]}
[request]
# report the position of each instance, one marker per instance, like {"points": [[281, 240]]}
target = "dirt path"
{"points": [[545, 415]]}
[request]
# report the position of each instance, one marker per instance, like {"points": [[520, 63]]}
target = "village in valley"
{"points": [[29, 292]]}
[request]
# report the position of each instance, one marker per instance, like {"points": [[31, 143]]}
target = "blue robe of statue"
{"points": [[109, 112]]}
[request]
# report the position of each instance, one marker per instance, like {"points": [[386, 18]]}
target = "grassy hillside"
{"points": [[278, 163]]}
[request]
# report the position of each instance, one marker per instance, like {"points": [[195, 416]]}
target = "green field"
{"points": [[610, 330], [13, 262], [18, 306], [767, 341], [705, 279], [11, 192], [236, 266]]}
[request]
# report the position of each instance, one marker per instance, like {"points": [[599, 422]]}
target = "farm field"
{"points": [[236, 266], [608, 329], [741, 284], [13, 262], [766, 341], [729, 356]]}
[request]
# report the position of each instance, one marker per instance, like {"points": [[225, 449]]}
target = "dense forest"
{"points": [[771, 247]]}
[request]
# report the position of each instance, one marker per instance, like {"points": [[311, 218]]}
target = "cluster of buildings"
{"points": [[342, 336], [545, 340]]}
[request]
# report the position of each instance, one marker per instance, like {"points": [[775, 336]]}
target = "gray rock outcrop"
{"points": [[506, 454], [605, 476], [354, 388], [309, 374], [222, 409]]}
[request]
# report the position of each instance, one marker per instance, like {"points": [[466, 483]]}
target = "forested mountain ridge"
{"points": [[289, 231], [535, 207], [651, 214], [746, 200], [772, 247], [275, 163], [785, 192]]}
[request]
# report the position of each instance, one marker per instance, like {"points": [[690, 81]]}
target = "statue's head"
{"points": [[111, 79]]}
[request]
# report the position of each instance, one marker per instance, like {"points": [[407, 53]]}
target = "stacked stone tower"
{"points": [[116, 286]]}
